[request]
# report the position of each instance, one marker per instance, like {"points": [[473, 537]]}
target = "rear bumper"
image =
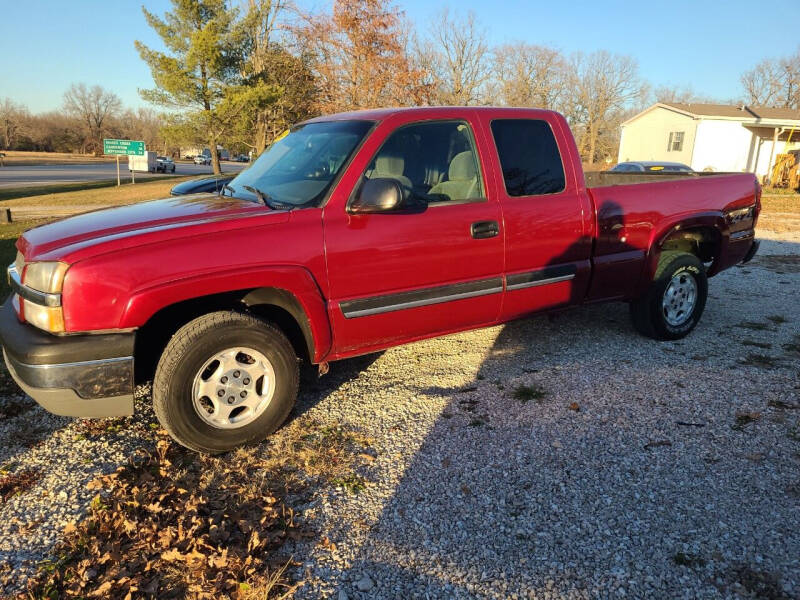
{"points": [[76, 376]]}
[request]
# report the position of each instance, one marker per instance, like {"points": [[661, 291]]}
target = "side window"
{"points": [[434, 161], [529, 157]]}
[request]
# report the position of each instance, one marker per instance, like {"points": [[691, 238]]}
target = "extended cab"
{"points": [[353, 233]]}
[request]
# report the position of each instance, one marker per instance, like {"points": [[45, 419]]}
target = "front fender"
{"points": [[295, 282]]}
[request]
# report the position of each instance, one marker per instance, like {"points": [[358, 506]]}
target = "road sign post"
{"points": [[123, 148]]}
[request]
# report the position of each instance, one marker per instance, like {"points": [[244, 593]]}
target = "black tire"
{"points": [[188, 351], [647, 312]]}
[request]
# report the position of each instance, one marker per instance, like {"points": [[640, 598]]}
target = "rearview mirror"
{"points": [[378, 195]]}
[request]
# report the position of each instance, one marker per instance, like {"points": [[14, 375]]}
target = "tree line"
{"points": [[239, 74], [88, 114]]}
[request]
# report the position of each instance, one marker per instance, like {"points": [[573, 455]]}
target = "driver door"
{"points": [[408, 274]]}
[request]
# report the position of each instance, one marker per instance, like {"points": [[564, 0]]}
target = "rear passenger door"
{"points": [[546, 220]]}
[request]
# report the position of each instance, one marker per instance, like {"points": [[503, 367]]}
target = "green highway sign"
{"points": [[124, 147]]}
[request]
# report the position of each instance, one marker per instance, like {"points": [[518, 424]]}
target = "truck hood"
{"points": [[54, 240]]}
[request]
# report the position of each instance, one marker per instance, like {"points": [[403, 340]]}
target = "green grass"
{"points": [[754, 325], [8, 237], [57, 188], [761, 361], [94, 193], [777, 319], [763, 345], [687, 559], [525, 393]]}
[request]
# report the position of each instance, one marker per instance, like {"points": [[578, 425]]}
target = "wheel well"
{"points": [[703, 242], [153, 336]]}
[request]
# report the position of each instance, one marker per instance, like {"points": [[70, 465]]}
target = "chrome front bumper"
{"points": [[91, 389], [76, 376]]}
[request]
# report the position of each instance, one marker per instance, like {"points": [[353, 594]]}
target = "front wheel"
{"points": [[674, 302], [225, 379]]}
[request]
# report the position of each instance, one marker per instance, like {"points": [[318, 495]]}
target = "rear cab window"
{"points": [[529, 157]]}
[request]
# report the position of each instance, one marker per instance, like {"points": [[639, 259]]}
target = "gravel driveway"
{"points": [[560, 457]]}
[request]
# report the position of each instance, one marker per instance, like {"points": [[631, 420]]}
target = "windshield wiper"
{"points": [[265, 198]]}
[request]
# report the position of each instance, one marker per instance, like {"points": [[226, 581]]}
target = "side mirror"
{"points": [[378, 195]]}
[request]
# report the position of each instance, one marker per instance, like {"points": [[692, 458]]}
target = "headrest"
{"points": [[462, 167], [389, 164]]}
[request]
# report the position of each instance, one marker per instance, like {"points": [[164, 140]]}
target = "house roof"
{"points": [[742, 111], [749, 115], [711, 110]]}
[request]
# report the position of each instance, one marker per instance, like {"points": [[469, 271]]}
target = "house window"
{"points": [[675, 143]]}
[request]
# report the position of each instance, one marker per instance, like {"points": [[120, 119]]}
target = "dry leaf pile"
{"points": [[174, 524]]}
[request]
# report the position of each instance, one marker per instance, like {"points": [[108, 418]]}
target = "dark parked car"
{"points": [[199, 186], [652, 167]]}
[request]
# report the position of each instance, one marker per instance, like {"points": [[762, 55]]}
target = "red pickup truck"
{"points": [[353, 233]]}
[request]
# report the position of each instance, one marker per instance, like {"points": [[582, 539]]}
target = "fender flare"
{"points": [[712, 220], [289, 287]]}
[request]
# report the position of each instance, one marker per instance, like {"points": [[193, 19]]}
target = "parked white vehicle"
{"points": [[145, 163], [202, 160], [165, 164]]}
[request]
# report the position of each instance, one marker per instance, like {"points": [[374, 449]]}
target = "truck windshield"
{"points": [[300, 167]]}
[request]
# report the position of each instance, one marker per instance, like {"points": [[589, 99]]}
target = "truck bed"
{"points": [[632, 219], [606, 178]]}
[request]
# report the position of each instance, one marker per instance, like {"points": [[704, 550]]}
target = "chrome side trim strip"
{"points": [[376, 305], [529, 284], [545, 276], [83, 363], [414, 304], [29, 294]]}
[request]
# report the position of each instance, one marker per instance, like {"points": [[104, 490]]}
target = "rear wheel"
{"points": [[224, 380], [674, 302]]}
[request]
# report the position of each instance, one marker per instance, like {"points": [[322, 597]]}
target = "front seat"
{"points": [[391, 165], [462, 178]]}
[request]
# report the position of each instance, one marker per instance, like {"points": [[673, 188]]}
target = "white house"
{"points": [[711, 137]]}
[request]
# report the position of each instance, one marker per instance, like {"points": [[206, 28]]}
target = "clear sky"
{"points": [[45, 45]]}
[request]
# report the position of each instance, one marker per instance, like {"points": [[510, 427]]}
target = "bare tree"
{"points": [[360, 56], [270, 62], [94, 107], [142, 124], [684, 95], [530, 75], [12, 119], [602, 87], [455, 59], [774, 82]]}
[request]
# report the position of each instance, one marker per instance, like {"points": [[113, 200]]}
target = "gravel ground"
{"points": [[644, 469], [651, 488]]}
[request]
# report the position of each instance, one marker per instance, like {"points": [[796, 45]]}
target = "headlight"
{"points": [[45, 277], [39, 293]]}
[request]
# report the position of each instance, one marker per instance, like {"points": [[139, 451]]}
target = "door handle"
{"points": [[484, 229]]}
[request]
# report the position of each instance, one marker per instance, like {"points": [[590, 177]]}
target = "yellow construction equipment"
{"points": [[786, 172]]}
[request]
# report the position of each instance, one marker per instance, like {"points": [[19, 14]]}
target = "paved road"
{"points": [[20, 176]]}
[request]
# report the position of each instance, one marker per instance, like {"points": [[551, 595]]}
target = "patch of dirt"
{"points": [[753, 583]]}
